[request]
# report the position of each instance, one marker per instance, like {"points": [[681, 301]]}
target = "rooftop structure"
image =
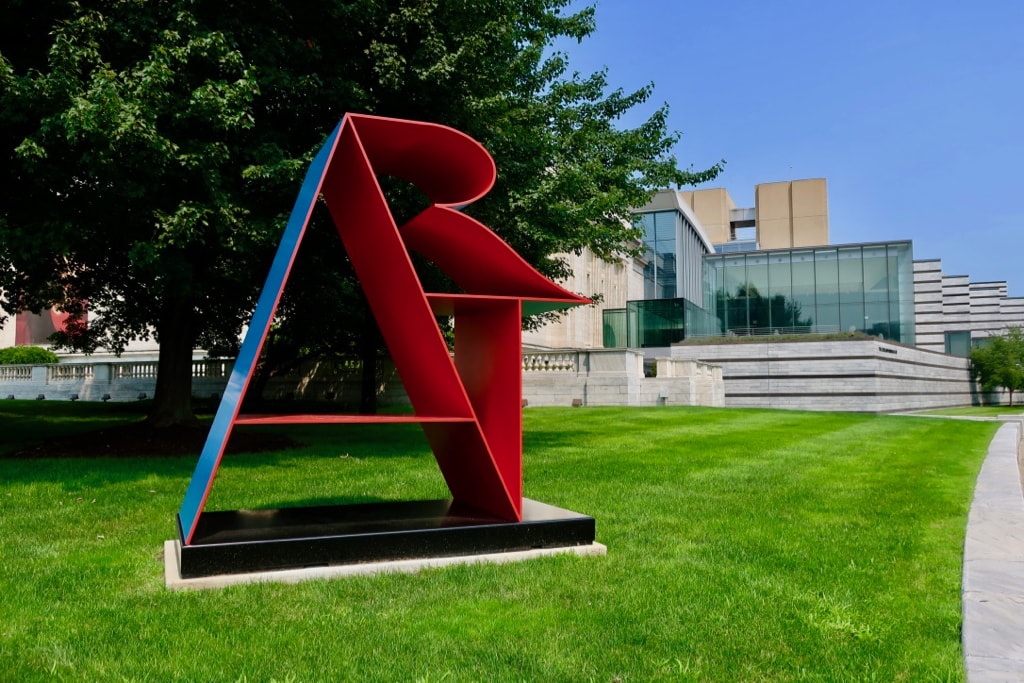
{"points": [[791, 213]]}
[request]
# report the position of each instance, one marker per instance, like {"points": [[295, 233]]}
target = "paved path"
{"points": [[993, 582]]}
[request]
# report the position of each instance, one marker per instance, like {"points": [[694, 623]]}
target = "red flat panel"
{"points": [[477, 259], [489, 357]]}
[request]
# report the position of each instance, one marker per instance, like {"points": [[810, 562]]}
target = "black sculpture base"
{"points": [[245, 541]]}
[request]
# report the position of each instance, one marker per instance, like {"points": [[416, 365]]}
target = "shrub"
{"points": [[26, 355]]}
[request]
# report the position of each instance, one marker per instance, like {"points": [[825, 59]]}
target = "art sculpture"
{"points": [[469, 407]]}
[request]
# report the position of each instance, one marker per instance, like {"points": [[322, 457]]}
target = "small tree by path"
{"points": [[1000, 363]]}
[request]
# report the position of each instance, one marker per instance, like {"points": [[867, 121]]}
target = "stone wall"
{"points": [[849, 375], [616, 377], [612, 377], [952, 303]]}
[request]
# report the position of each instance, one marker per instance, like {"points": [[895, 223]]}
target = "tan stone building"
{"points": [[791, 213]]}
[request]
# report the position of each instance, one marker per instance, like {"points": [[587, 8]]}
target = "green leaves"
{"points": [[1000, 362], [26, 355], [153, 149], [136, 114]]}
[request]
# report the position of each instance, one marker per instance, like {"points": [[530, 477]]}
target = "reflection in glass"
{"points": [[863, 288], [660, 254]]}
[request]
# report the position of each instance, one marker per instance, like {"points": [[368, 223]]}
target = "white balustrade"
{"points": [[76, 372], [211, 368], [15, 373], [134, 370], [550, 362]]}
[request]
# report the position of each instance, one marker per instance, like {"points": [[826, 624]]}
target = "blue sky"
{"points": [[912, 110]]}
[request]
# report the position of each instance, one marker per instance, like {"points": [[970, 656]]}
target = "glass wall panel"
{"points": [[650, 289], [614, 328], [958, 343], [734, 277], [699, 322], [734, 274], [905, 287], [780, 290], [826, 278], [876, 319], [665, 226], [803, 288], [757, 274], [666, 274], [893, 269], [896, 322], [851, 276], [710, 269], [876, 274], [647, 223], [665, 246], [851, 316], [827, 318], [756, 291]]}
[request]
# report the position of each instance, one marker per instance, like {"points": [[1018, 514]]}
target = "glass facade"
{"points": [[674, 253], [657, 323], [660, 253], [866, 288]]}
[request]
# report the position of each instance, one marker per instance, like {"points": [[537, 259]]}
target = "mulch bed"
{"points": [[142, 440]]}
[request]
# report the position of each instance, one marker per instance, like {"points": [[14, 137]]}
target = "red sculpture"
{"points": [[470, 408]]}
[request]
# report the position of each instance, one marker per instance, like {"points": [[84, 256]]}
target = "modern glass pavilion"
{"points": [[845, 288], [690, 291]]}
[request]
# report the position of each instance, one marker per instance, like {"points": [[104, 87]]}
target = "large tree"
{"points": [[1000, 362], [151, 152]]}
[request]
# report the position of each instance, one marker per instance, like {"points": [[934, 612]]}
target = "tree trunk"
{"points": [[172, 400], [368, 383]]}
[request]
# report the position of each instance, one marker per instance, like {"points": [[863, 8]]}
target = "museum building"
{"points": [[711, 269]]}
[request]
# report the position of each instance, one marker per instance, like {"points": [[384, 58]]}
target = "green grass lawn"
{"points": [[977, 411], [742, 545], [28, 422]]}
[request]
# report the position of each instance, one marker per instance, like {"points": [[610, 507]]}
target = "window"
{"points": [[958, 343]]}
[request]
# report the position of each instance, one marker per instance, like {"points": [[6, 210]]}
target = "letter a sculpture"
{"points": [[469, 408]]}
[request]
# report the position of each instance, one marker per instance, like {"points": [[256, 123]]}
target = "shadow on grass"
{"points": [[91, 473], [321, 501]]}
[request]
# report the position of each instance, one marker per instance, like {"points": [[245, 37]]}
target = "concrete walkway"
{"points": [[993, 581]]}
